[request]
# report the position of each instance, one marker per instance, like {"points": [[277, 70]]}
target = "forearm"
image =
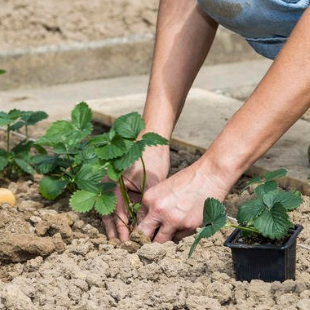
{"points": [[277, 103], [184, 37]]}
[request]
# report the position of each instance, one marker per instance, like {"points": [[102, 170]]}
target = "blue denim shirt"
{"points": [[265, 24]]}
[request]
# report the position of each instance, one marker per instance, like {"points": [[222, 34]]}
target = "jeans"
{"points": [[265, 24]]}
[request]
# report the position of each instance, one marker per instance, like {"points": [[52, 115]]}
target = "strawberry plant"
{"points": [[79, 162], [266, 215], [16, 161]]}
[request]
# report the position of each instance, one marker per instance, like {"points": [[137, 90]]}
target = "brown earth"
{"points": [[62, 260], [28, 23]]}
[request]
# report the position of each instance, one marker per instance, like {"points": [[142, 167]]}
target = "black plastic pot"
{"points": [[265, 262]]}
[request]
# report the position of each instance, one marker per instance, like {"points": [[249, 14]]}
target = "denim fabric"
{"points": [[265, 24]]}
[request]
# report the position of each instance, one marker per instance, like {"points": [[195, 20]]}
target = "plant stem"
{"points": [[143, 180], [125, 195], [8, 139], [121, 220], [242, 228]]}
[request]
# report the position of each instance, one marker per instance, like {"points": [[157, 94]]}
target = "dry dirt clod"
{"points": [[115, 242], [130, 246], [152, 252], [139, 237], [21, 247]]}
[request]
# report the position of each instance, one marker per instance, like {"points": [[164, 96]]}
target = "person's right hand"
{"points": [[157, 163]]}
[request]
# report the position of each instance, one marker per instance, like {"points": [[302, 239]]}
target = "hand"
{"points": [[175, 206], [157, 162]]}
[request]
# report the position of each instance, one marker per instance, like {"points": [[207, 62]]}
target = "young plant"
{"points": [[16, 161], [79, 162], [266, 215]]}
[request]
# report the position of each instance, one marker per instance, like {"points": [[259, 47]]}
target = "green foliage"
{"points": [[214, 219], [17, 161], [265, 215], [79, 163], [2, 71]]}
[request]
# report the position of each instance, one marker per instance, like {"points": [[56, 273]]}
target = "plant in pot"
{"points": [[90, 167], [263, 243]]}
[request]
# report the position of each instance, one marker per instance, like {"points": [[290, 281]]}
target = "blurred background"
{"points": [[57, 53]]}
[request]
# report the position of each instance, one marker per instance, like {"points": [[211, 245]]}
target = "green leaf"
{"points": [[23, 147], [152, 139], [265, 188], [89, 178], [52, 187], [249, 211], [273, 223], [254, 180], [276, 174], [100, 140], [105, 203], [24, 165], [129, 125], [17, 125], [62, 133], [9, 118], [134, 153], [289, 200], [113, 149], [34, 117], [2, 71], [214, 219], [45, 163], [113, 173], [81, 118], [3, 159], [83, 201]]}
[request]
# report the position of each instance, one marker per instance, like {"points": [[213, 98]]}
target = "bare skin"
{"points": [[174, 206]]}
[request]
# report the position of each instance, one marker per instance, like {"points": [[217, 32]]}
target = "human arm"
{"points": [[175, 205], [184, 37]]}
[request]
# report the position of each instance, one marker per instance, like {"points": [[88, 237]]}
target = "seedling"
{"points": [[16, 161], [266, 215], [79, 162]]}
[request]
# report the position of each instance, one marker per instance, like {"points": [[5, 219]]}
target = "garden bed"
{"points": [[54, 258]]}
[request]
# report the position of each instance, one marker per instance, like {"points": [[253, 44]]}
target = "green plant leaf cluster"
{"points": [[265, 215], [17, 161], [79, 162]]}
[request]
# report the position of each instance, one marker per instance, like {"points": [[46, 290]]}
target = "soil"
{"points": [[54, 258], [28, 23]]}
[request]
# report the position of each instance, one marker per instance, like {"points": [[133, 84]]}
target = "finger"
{"points": [[110, 227], [164, 234], [148, 226], [121, 226], [182, 234]]}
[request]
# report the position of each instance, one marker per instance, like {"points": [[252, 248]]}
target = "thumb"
{"points": [[149, 225]]}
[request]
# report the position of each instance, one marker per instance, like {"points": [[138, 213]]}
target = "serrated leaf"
{"points": [[276, 174], [153, 139], [290, 201], [265, 188], [113, 173], [83, 201], [33, 117], [62, 135], [89, 178], [134, 153], [99, 140], [23, 162], [113, 149], [81, 117], [17, 125], [130, 125], [45, 163], [105, 203], [273, 223], [249, 211], [52, 187], [23, 147], [214, 219]]}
